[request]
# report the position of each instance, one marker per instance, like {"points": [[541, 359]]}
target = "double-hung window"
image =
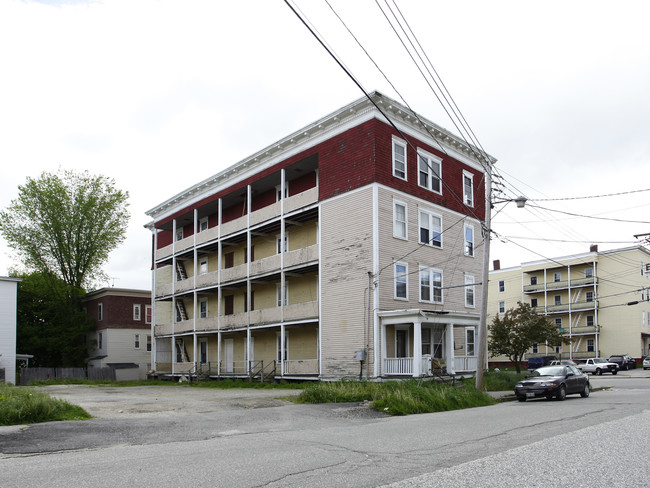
{"points": [[429, 172], [136, 312], [280, 246], [203, 224], [282, 298], [468, 188], [430, 229], [136, 341], [148, 314], [203, 265], [203, 308], [502, 307], [179, 234], [469, 290], [399, 159], [470, 341], [399, 220], [469, 240], [401, 273], [430, 285]]}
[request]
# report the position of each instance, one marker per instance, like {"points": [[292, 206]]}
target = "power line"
{"points": [[592, 216], [590, 196]]}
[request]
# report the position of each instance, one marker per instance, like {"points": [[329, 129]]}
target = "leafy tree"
{"points": [[519, 328], [66, 224], [50, 324]]}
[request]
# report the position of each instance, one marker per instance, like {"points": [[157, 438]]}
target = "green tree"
{"points": [[513, 334], [50, 324], [66, 224]]}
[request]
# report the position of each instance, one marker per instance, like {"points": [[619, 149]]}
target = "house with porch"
{"points": [[349, 248]]}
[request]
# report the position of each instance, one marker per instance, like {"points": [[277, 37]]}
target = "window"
{"points": [[203, 265], [401, 273], [228, 304], [558, 349], [203, 351], [280, 300], [470, 334], [533, 280], [534, 348], [430, 229], [557, 299], [589, 296], [557, 277], [502, 286], [148, 343], [589, 273], [100, 341], [279, 247], [468, 189], [100, 311], [136, 341], [399, 220], [282, 353], [136, 312], [590, 320], [399, 159], [401, 343], [430, 285], [229, 260], [502, 307], [533, 302], [278, 191], [469, 290], [203, 308], [203, 224], [469, 240], [590, 345], [148, 314], [558, 322], [179, 234], [429, 172], [426, 341]]}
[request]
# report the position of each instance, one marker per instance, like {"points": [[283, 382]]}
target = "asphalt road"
{"points": [[594, 442]]}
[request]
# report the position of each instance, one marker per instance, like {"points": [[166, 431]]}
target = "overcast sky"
{"points": [[162, 94]]}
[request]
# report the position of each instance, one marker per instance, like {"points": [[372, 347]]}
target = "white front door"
{"points": [[229, 355]]}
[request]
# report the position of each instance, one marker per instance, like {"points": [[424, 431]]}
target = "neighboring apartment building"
{"points": [[8, 316], [591, 297], [344, 249], [122, 338]]}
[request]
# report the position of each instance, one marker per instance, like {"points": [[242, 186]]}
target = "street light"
{"points": [[482, 326]]}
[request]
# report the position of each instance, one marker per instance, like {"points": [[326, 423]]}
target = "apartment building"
{"points": [[348, 248], [122, 337], [598, 300]]}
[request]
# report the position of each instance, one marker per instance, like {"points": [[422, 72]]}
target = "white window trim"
{"points": [[473, 329], [286, 346], [430, 217], [147, 314], [591, 346], [431, 159], [137, 311], [466, 248], [286, 294], [431, 272], [402, 144], [499, 286], [278, 238], [136, 341], [179, 234], [470, 279], [501, 307], [406, 219], [202, 221], [149, 345], [557, 277], [278, 191], [406, 280], [468, 201], [201, 302], [201, 261]]}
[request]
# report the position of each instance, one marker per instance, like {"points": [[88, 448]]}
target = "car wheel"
{"points": [[614, 372], [521, 398], [561, 393], [585, 393], [599, 371]]}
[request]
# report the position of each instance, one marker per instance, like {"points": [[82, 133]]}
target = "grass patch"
{"points": [[497, 380], [397, 397], [23, 405]]}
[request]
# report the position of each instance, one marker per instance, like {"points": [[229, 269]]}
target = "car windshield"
{"points": [[549, 371], [615, 358], [599, 360]]}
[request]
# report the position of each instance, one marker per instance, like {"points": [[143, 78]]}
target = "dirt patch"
{"points": [[113, 402]]}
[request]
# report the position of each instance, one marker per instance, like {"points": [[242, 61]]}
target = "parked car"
{"points": [[624, 361], [538, 362], [646, 362], [598, 366], [563, 362], [553, 381]]}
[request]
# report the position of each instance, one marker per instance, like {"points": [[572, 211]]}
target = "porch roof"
{"points": [[411, 315]]}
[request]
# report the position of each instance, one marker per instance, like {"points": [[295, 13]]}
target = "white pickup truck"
{"points": [[598, 366]]}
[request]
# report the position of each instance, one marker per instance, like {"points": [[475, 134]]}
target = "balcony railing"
{"points": [[207, 235], [300, 256], [234, 226], [184, 326], [265, 213], [266, 315], [300, 311], [164, 290], [235, 273], [558, 285], [301, 200], [265, 265], [465, 363], [162, 329], [164, 252]]}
